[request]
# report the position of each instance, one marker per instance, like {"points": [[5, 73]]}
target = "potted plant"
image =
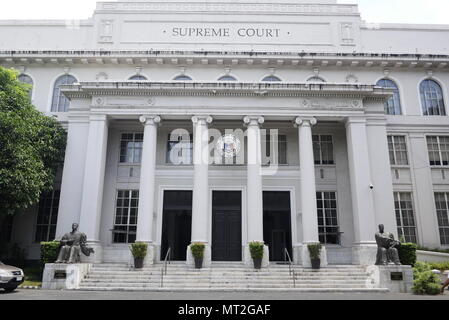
{"points": [[198, 253], [139, 251], [256, 248], [315, 253]]}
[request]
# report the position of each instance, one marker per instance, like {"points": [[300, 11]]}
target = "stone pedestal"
{"points": [[248, 260], [364, 254], [207, 260], [64, 276], [97, 256], [398, 279], [305, 256]]}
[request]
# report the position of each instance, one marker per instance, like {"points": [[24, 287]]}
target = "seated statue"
{"points": [[72, 244], [387, 252]]}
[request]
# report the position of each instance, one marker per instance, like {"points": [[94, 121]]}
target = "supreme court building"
{"points": [[225, 122]]}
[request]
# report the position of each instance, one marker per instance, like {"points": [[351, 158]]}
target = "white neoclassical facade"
{"points": [[226, 122]]}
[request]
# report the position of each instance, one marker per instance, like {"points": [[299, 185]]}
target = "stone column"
{"points": [[200, 202], [376, 130], [73, 174], [254, 187], [308, 190], [147, 179], [423, 191], [364, 250], [92, 199]]}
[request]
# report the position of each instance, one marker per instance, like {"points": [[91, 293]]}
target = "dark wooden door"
{"points": [[227, 226], [176, 224], [277, 224]]}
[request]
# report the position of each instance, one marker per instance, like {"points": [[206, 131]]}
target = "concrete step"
{"points": [[293, 290]]}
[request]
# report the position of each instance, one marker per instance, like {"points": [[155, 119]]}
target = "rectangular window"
{"points": [[323, 150], [131, 147], [438, 147], [269, 154], [179, 149], [47, 216], [6, 223], [125, 224], [397, 148], [328, 228], [405, 216], [442, 205]]}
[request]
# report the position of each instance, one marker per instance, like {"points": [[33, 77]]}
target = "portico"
{"points": [[248, 182]]}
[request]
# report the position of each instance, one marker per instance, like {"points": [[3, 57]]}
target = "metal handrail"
{"points": [[291, 271], [167, 260]]}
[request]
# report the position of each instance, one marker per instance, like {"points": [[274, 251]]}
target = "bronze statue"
{"points": [[72, 244], [387, 252]]}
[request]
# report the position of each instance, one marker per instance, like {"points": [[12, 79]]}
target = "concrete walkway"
{"points": [[24, 294]]}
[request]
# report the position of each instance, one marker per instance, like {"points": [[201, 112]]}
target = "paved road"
{"points": [[26, 294]]}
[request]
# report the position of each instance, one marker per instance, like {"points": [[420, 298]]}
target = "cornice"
{"points": [[263, 58], [250, 89]]}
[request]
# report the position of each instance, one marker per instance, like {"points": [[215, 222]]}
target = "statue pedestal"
{"points": [[59, 276], [398, 279]]}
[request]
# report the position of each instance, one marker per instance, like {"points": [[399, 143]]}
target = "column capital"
{"points": [[253, 120], [150, 120], [307, 121], [202, 120]]}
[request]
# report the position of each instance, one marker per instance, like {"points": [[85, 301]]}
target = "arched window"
{"points": [[393, 105], [182, 78], [227, 78], [271, 79], [27, 79], [138, 78], [60, 103], [316, 79], [432, 98]]}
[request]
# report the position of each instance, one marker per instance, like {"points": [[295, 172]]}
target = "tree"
{"points": [[32, 147]]}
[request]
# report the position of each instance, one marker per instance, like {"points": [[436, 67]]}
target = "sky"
{"points": [[375, 11]]}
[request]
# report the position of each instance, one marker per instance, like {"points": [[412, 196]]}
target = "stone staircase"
{"points": [[227, 277]]}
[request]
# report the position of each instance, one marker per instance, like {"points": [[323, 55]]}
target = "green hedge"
{"points": [[49, 251], [425, 281], [407, 254], [442, 266]]}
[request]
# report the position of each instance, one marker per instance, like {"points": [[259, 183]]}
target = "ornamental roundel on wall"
{"points": [[228, 146]]}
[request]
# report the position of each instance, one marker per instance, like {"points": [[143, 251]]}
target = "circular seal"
{"points": [[228, 146]]}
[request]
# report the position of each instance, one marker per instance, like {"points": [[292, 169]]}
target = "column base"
{"points": [[97, 256], [248, 260], [305, 256], [364, 254], [207, 260]]}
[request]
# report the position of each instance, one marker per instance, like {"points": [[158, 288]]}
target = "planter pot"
{"points": [[316, 263], [138, 263], [198, 263], [257, 263]]}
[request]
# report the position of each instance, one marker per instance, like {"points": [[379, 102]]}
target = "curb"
{"points": [[30, 287]]}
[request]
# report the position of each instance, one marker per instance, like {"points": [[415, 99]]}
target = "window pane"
{"points": [[125, 225], [328, 228]]}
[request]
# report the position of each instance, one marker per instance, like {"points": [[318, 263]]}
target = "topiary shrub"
{"points": [[197, 249], [407, 253], [139, 249], [314, 250], [49, 251], [256, 249]]}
